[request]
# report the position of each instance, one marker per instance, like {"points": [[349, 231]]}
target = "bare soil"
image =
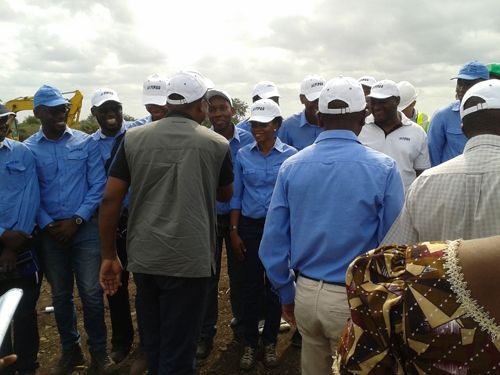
{"points": [[223, 360]]}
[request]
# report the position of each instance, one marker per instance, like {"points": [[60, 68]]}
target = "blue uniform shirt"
{"points": [[445, 137], [297, 132], [71, 175], [332, 201], [240, 138], [255, 176], [245, 125], [19, 189]]}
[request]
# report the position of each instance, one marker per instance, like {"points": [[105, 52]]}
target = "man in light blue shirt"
{"points": [[332, 201], [20, 199], [71, 175], [445, 136], [301, 129]]}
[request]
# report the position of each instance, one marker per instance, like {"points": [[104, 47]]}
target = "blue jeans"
{"points": [[25, 341], [171, 315], [80, 261], [234, 269], [258, 297]]}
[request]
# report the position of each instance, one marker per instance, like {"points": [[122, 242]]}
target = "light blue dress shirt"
{"points": [[19, 189], [245, 125], [255, 176], [445, 137], [296, 131], [240, 138], [332, 201], [71, 175]]}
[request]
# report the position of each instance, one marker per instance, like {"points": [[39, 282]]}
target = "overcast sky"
{"points": [[84, 44]]}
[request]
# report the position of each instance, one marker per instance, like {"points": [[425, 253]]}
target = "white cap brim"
{"points": [[157, 100]]}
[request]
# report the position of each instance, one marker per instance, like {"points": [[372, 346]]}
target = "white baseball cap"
{"points": [[265, 90], [408, 94], [311, 87], [103, 95], [264, 110], [190, 85], [488, 90], [367, 81], [154, 90], [345, 89], [216, 92], [384, 89]]}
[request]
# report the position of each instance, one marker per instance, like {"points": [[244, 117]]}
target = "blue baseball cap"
{"points": [[48, 96], [473, 70]]}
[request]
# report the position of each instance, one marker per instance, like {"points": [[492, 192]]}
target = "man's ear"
{"points": [[320, 119], [302, 98], [37, 111], [93, 110]]}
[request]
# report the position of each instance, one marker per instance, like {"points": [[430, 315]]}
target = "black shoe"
{"points": [[70, 360], [119, 353], [204, 348], [297, 339], [101, 364]]}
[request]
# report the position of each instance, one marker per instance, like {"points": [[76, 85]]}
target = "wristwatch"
{"points": [[78, 220]]}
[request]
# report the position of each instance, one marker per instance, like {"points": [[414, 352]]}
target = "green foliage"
{"points": [[89, 125], [241, 109], [25, 128]]}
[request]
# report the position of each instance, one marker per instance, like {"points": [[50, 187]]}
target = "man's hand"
{"points": [[110, 275], [16, 240], [238, 245], [62, 231], [8, 260], [288, 313], [7, 361]]}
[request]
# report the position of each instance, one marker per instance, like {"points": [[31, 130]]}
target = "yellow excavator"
{"points": [[25, 103]]}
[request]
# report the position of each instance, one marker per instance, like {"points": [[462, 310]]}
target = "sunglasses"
{"points": [[110, 108], [260, 125], [57, 109]]}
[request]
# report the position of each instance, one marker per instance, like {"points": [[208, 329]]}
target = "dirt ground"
{"points": [[223, 360]]}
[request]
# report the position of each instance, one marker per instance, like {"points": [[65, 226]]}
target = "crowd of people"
{"points": [[323, 214]]}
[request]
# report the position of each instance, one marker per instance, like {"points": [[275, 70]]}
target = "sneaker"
{"points": [[270, 356], [204, 348], [119, 353], [101, 364], [247, 360], [71, 359]]}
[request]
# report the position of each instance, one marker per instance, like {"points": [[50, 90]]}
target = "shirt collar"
{"points": [[337, 134], [480, 140], [455, 106], [98, 134], [278, 145], [7, 143]]}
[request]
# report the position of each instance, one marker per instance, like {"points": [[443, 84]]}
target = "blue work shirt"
{"points": [[254, 177], [333, 201], [245, 125], [71, 175], [445, 137], [240, 138], [106, 143], [296, 131], [19, 189]]}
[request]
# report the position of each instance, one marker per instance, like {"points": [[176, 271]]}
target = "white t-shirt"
{"points": [[407, 145]]}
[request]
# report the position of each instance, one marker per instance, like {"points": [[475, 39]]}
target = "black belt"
{"points": [[318, 280]]}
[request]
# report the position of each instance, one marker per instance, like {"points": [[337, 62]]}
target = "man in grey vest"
{"points": [[176, 169]]}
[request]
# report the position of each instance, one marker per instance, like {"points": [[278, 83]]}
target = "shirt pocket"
{"points": [[254, 177], [77, 162], [46, 170]]}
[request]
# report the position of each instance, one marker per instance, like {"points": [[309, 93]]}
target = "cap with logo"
{"points": [[103, 95], [384, 89], [408, 94], [187, 86], [311, 87], [488, 90], [48, 96], [264, 110], [154, 90], [473, 70], [265, 90], [367, 81], [344, 89], [223, 94]]}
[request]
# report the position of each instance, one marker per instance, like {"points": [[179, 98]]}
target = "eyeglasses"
{"points": [[260, 125], [105, 108]]}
